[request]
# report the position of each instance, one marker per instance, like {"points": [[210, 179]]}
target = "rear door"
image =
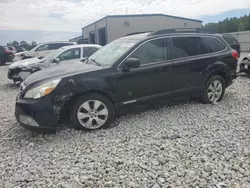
{"points": [[189, 63]]}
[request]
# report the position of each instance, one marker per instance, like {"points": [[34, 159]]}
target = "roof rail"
{"points": [[135, 33], [183, 30]]}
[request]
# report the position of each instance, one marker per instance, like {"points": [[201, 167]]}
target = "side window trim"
{"points": [[148, 64], [198, 56], [58, 56], [216, 39], [171, 46], [36, 50]]}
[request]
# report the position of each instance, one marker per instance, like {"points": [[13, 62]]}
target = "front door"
{"points": [[149, 80]]}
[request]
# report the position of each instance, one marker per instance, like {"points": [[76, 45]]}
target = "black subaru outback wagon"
{"points": [[132, 70]]}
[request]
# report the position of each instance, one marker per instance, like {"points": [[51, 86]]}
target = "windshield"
{"points": [[110, 53], [53, 54]]}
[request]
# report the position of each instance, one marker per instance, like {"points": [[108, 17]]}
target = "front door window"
{"points": [[151, 52], [70, 54]]}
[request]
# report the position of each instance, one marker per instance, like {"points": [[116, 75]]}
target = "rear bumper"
{"points": [[232, 75], [40, 111], [9, 57]]}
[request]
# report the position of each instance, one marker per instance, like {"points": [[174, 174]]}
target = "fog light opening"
{"points": [[27, 121]]}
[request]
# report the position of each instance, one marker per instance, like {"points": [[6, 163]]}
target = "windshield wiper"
{"points": [[85, 59], [98, 64]]}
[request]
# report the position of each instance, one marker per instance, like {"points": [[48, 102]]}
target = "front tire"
{"points": [[214, 89], [92, 111]]}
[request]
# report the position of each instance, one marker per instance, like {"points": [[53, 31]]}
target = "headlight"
{"points": [[42, 90]]}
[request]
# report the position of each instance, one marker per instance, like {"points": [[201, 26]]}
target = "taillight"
{"points": [[6, 51], [235, 54]]}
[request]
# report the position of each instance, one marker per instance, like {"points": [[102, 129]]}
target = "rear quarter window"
{"points": [[230, 39], [213, 44]]}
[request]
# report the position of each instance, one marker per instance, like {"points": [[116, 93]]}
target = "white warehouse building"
{"points": [[112, 27]]}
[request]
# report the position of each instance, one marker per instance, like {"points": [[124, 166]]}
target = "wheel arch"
{"points": [[84, 87], [218, 68]]}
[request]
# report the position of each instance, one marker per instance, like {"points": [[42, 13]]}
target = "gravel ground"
{"points": [[187, 145]]}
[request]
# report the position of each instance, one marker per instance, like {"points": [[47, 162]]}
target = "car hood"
{"points": [[60, 71], [25, 63]]}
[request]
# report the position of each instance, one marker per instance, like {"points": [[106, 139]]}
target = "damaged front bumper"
{"points": [[19, 75], [36, 114], [245, 66]]}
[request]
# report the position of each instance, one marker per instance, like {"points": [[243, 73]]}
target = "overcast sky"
{"points": [[71, 15]]}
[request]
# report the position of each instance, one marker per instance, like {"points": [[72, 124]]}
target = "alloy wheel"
{"points": [[92, 114], [215, 91]]}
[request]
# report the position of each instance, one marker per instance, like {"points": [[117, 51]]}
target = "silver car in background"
{"points": [[20, 70]]}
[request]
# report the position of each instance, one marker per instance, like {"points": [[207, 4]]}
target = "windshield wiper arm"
{"points": [[98, 64], [85, 59]]}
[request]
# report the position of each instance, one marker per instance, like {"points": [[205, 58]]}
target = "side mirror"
{"points": [[131, 63], [56, 60]]}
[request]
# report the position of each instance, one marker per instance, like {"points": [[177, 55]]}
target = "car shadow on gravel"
{"points": [[144, 108], [9, 86], [244, 75]]}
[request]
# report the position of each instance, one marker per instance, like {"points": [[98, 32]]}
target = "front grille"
{"points": [[13, 72]]}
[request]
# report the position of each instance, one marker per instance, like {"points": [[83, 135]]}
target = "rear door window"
{"points": [[187, 46], [213, 44]]}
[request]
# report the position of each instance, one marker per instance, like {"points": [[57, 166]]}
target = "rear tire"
{"points": [[214, 89], [92, 111]]}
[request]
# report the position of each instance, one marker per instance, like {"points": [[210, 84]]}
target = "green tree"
{"points": [[15, 44], [33, 44], [23, 44], [231, 24]]}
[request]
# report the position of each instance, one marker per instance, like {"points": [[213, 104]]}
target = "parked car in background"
{"points": [[20, 56], [245, 65], [5, 55], [20, 70], [44, 49], [231, 40], [20, 49], [12, 49], [133, 70]]}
